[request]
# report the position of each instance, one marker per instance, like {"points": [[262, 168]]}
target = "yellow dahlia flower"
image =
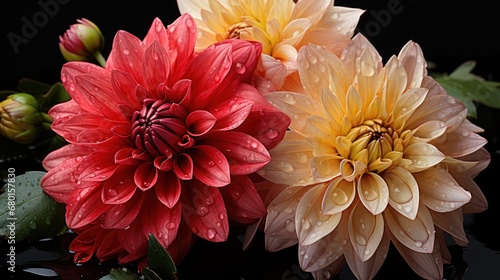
{"points": [[281, 26], [375, 154]]}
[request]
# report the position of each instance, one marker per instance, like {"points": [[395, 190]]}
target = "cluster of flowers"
{"points": [[273, 115]]}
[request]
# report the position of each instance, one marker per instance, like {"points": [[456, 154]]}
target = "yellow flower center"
{"points": [[235, 30], [372, 146]]}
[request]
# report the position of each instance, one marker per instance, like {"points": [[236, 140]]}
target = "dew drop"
{"points": [[202, 211], [195, 230], [125, 51], [170, 225], [272, 133], [211, 233], [418, 244]]}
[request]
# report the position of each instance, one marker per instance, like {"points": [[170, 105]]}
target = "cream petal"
{"points": [[365, 231], [280, 220], [297, 106], [373, 192], [422, 156], [250, 233], [273, 70], [350, 56], [332, 269], [367, 269], [333, 108], [321, 253], [461, 142], [409, 101], [438, 107], [310, 223], [345, 19], [338, 196], [394, 84], [439, 191], [274, 243], [316, 65], [192, 7], [429, 131], [443, 245], [417, 234], [451, 222], [294, 31], [412, 59], [290, 162], [426, 265], [325, 167], [403, 191]]}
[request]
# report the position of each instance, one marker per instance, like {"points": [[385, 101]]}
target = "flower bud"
{"points": [[20, 119], [82, 41]]}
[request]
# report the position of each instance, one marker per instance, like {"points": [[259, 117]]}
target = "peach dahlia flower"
{"points": [[281, 26], [375, 154], [161, 141]]}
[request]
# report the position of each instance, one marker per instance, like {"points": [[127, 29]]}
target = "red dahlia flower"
{"points": [[161, 140]]}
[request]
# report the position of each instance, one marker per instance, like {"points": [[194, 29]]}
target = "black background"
{"points": [[449, 32]]}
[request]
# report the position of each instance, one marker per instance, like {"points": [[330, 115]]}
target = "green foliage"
{"points": [[470, 88], [26, 212]]}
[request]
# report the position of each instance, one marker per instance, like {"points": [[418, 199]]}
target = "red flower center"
{"points": [[160, 128]]}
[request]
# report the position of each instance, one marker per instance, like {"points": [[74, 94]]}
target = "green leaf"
{"points": [[470, 88], [150, 275], [32, 86], [159, 260], [26, 212], [120, 274], [54, 95]]}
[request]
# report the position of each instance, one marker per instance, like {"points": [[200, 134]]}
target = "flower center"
{"points": [[372, 146], [235, 30], [160, 128]]}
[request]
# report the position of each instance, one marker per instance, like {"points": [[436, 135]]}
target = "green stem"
{"points": [[100, 59]]}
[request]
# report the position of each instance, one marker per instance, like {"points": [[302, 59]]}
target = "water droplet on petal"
{"points": [[202, 211], [211, 233]]}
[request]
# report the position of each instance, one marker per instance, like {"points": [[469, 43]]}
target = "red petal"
{"points": [[180, 92], [120, 186], [157, 32], [155, 67], [66, 153], [209, 68], [183, 167], [97, 166], [120, 216], [182, 39], [145, 176], [97, 90], [161, 221], [199, 122], [168, 188], [244, 153], [126, 55], [204, 210], [243, 202], [231, 113], [210, 166], [109, 246], [179, 248], [84, 207], [134, 240]]}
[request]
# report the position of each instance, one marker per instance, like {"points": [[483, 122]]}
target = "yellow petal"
{"points": [[373, 192], [325, 167]]}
